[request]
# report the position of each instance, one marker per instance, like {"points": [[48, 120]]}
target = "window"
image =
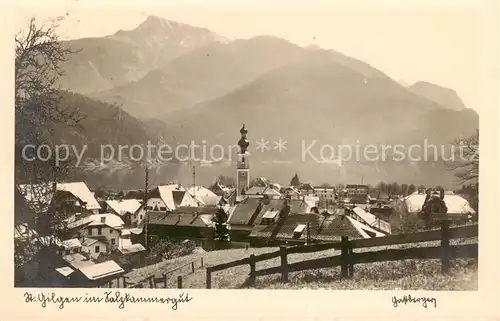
{"points": [[97, 249], [163, 208], [99, 230], [140, 217], [90, 231], [113, 241]]}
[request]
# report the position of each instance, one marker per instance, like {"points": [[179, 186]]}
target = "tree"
{"points": [[465, 162], [395, 188], [421, 188], [221, 232], [226, 180], [411, 189], [170, 248], [404, 189], [295, 182], [381, 187], [38, 109], [325, 185]]}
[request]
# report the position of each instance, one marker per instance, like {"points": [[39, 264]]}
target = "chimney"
{"points": [[178, 218], [103, 219], [178, 186]]}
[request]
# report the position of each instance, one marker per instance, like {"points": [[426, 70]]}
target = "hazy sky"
{"points": [[442, 45]]}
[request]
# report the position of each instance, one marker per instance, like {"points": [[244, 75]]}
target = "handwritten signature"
{"points": [[116, 297], [408, 299]]}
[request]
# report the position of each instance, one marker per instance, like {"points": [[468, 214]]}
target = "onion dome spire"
{"points": [[243, 142]]}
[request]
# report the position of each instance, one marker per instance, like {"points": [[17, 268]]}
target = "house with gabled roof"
{"points": [[312, 227], [261, 211], [94, 246], [261, 191], [162, 199], [125, 208], [204, 196], [306, 189], [105, 227], [218, 188], [65, 198], [96, 274], [183, 223]]}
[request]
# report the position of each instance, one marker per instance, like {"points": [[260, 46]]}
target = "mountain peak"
{"points": [[446, 97], [155, 22]]}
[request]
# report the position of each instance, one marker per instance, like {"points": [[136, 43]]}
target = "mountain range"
{"points": [[177, 83]]}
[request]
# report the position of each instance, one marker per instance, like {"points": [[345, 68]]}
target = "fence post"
{"points": [[351, 262], [284, 264], [201, 262], [151, 282], [124, 282], [344, 257], [252, 269], [209, 278], [165, 276], [179, 282], [192, 266], [445, 246]]}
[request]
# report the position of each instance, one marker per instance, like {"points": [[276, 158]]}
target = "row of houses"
{"points": [[112, 233]]}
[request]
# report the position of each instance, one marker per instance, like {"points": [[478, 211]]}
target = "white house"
{"points": [[106, 227], [165, 198], [124, 208], [261, 191], [94, 246], [72, 246], [456, 204], [325, 193], [204, 196], [67, 197]]}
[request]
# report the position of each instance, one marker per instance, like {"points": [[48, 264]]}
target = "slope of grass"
{"points": [[401, 275]]}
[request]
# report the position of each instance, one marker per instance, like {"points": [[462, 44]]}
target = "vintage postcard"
{"points": [[209, 160]]}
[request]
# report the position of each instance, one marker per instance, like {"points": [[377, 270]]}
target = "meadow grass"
{"points": [[393, 275]]}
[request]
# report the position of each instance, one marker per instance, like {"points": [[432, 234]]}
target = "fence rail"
{"points": [[347, 259], [163, 278]]}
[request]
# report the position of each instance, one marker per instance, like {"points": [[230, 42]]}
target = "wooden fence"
{"points": [[348, 258], [163, 278]]}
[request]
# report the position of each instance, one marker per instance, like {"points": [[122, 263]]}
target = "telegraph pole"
{"points": [[194, 181], [308, 239], [145, 205]]}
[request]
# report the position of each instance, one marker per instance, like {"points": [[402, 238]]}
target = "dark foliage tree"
{"points": [[227, 181], [411, 189], [465, 165], [404, 189], [394, 188], [221, 232], [171, 248], [466, 159], [382, 187], [37, 67]]}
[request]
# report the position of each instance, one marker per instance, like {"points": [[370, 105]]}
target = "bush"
{"points": [[169, 248]]}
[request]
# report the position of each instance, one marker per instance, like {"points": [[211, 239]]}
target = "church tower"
{"points": [[243, 165]]}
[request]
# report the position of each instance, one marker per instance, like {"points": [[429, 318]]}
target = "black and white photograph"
{"points": [[248, 148]]}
